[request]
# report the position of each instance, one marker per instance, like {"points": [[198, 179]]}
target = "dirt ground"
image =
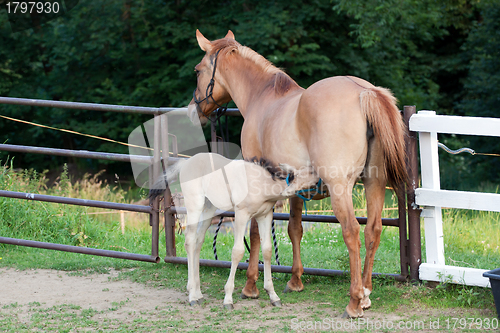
{"points": [[122, 302]]}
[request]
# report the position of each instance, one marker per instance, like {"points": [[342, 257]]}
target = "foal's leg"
{"points": [[190, 242], [203, 225], [267, 252], [240, 221], [250, 290], [341, 193], [295, 232]]}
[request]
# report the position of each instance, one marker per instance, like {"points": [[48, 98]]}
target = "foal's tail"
{"points": [[168, 176], [379, 106]]}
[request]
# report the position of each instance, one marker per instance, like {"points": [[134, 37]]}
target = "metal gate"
{"points": [[409, 246]]}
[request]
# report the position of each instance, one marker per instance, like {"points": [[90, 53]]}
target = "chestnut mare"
{"points": [[344, 127]]}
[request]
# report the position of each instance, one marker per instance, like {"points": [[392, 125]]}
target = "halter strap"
{"points": [[221, 110], [316, 190]]}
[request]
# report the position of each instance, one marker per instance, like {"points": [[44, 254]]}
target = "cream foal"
{"points": [[250, 189]]}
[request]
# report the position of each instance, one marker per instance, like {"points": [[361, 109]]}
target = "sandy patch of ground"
{"points": [[100, 302]]}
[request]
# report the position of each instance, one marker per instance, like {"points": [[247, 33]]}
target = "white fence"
{"points": [[431, 198]]}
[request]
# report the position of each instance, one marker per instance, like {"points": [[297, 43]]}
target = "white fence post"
{"points": [[431, 198], [433, 222]]}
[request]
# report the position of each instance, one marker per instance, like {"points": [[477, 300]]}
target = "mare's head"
{"points": [[210, 92]]}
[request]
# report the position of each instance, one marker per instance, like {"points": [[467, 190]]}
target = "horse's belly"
{"points": [[275, 137]]}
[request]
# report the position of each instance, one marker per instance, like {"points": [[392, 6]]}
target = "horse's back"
{"points": [[332, 122]]}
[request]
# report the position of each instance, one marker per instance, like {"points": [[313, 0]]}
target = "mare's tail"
{"points": [[379, 106], [162, 182]]}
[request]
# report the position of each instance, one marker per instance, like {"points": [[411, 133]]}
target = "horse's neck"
{"points": [[249, 87]]}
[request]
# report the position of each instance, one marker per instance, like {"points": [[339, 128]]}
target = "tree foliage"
{"points": [[436, 55]]}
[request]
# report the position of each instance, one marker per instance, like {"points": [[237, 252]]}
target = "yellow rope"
{"points": [[82, 134], [488, 154]]}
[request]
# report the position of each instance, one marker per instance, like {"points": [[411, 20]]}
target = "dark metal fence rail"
{"points": [[75, 153], [76, 201], [307, 218], [79, 249], [275, 268], [82, 154], [95, 106], [408, 247]]}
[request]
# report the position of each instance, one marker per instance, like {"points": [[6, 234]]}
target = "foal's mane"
{"points": [[278, 79], [276, 172]]}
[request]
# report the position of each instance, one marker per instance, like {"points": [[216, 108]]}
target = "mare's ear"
{"points": [[230, 34], [204, 43]]}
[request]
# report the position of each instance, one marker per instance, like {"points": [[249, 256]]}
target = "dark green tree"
{"points": [[143, 53]]}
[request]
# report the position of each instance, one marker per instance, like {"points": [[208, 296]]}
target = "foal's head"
{"points": [[210, 92], [303, 178]]}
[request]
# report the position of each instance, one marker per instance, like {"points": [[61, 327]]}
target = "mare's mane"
{"points": [[278, 79]]}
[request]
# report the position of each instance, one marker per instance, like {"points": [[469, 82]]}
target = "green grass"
{"points": [[471, 240]]}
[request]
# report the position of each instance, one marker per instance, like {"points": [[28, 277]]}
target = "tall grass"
{"points": [[67, 224]]}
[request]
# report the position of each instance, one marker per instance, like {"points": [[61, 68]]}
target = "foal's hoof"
{"points": [[228, 306], [196, 302], [276, 303]]}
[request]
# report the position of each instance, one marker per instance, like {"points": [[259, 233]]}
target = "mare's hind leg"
{"points": [[250, 290], [374, 180], [341, 196], [295, 232]]}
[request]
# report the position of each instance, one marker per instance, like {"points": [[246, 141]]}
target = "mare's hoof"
{"points": [[228, 306], [243, 296], [346, 315], [289, 290], [276, 304], [366, 304]]}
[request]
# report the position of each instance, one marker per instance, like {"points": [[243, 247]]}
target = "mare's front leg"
{"points": [[267, 252], [250, 290], [295, 232], [240, 221]]}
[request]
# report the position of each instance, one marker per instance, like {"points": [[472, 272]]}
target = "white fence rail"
{"points": [[431, 197]]}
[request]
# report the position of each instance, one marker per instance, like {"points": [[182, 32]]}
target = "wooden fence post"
{"points": [[167, 195], [414, 243]]}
